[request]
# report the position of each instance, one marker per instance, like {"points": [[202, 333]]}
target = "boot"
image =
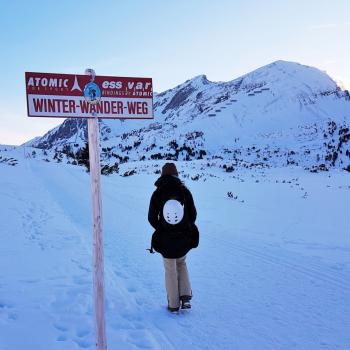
{"points": [[185, 301], [173, 310]]}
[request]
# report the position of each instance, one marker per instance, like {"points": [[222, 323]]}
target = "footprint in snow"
{"points": [[132, 317], [82, 332], [131, 289], [83, 343], [139, 301], [142, 339], [4, 305], [61, 338], [7, 312], [60, 327], [121, 274]]}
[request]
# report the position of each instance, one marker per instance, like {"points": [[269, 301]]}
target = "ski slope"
{"points": [[271, 272]]}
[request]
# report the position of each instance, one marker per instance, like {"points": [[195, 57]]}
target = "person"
{"points": [[172, 214]]}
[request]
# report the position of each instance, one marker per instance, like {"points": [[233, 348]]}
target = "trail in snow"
{"points": [[270, 273]]}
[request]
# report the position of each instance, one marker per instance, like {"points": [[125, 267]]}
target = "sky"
{"points": [[169, 41]]}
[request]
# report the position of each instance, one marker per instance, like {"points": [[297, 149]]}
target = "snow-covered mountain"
{"points": [[274, 244], [283, 113]]}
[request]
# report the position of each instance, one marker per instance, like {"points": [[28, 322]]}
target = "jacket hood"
{"points": [[168, 180]]}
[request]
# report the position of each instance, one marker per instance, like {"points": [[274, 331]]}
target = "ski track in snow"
{"points": [[250, 292]]}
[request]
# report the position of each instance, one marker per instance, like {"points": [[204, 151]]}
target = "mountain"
{"points": [[282, 113]]}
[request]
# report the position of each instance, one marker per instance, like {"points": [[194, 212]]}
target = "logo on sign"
{"points": [[92, 93]]}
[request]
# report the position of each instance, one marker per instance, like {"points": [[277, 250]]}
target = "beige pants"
{"points": [[177, 282]]}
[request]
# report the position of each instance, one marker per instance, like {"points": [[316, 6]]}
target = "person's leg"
{"points": [[171, 283], [183, 278]]}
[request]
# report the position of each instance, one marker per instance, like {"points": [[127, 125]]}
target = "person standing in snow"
{"points": [[172, 214]]}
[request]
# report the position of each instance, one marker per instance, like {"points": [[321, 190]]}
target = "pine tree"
{"points": [[82, 156]]}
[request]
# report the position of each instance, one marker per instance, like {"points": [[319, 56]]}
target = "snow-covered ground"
{"points": [[271, 272]]}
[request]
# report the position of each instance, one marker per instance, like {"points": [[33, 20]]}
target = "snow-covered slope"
{"points": [[284, 108], [271, 271]]}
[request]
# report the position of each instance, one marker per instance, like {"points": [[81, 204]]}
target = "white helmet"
{"points": [[173, 211]]}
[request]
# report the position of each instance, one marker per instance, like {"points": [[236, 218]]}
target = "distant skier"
{"points": [[172, 213]]}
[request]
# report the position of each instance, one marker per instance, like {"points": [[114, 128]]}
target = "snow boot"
{"points": [[173, 310], [185, 302]]}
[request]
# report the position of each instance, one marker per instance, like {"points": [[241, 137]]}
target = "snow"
{"points": [[288, 76], [290, 113], [281, 96], [271, 271]]}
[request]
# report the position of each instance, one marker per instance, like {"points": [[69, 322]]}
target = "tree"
{"points": [[82, 156]]}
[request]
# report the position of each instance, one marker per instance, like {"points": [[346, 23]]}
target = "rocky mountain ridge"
{"points": [[280, 114]]}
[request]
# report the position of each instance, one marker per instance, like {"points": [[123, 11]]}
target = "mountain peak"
{"points": [[198, 81], [286, 75], [283, 63]]}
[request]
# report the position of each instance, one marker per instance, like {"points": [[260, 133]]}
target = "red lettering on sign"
{"points": [[51, 105], [107, 107], [144, 108], [120, 107], [71, 106], [92, 108], [84, 106], [131, 107], [65, 106], [137, 107], [114, 107], [58, 106], [99, 108], [38, 104], [117, 107]]}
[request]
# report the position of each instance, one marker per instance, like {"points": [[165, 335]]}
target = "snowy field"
{"points": [[271, 272]]}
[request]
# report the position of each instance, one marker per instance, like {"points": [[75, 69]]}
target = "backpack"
{"points": [[173, 211], [174, 220], [173, 214]]}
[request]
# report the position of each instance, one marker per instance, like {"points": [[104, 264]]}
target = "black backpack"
{"points": [[182, 228]]}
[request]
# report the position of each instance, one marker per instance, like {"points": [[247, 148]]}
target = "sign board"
{"points": [[89, 96], [80, 96]]}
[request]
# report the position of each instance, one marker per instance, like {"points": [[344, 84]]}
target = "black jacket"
{"points": [[175, 242]]}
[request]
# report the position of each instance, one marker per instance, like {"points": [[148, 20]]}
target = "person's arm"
{"points": [[192, 212], [153, 211]]}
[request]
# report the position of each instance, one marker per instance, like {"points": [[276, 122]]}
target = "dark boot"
{"points": [[173, 309], [185, 301]]}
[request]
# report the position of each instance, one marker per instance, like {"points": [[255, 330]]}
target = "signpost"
{"points": [[79, 96], [89, 96]]}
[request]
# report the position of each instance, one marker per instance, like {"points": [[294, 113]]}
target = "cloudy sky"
{"points": [[170, 41]]}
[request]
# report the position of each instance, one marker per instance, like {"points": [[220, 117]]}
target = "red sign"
{"points": [[78, 96]]}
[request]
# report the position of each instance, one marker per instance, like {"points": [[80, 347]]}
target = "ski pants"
{"points": [[177, 281]]}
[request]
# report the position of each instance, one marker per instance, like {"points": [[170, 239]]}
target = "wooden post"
{"points": [[98, 269]]}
